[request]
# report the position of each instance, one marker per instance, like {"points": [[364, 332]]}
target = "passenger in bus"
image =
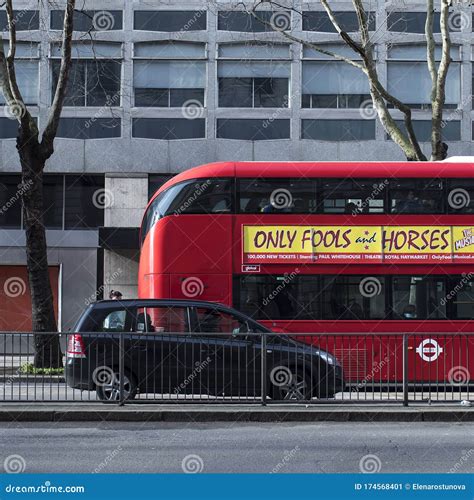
{"points": [[410, 205]]}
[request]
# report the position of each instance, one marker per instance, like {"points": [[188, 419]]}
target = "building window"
{"points": [[319, 21], [170, 20], [252, 129], [53, 195], [246, 22], [82, 210], [10, 201], [169, 83], [333, 84], [26, 67], [169, 128], [259, 83], [95, 76], [24, 20], [89, 128], [8, 128], [89, 20], [338, 130], [450, 131], [411, 22]]}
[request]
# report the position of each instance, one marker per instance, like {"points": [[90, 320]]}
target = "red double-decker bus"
{"points": [[329, 247]]}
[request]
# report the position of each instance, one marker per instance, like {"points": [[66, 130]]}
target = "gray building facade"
{"points": [[164, 85]]}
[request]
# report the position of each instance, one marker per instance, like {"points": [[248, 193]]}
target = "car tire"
{"points": [[109, 390], [295, 385]]}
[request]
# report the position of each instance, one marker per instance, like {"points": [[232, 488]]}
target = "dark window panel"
{"points": [[152, 98], [340, 101], [91, 83], [90, 20], [53, 201], [339, 196], [271, 92], [89, 128], [416, 196], [155, 181], [253, 130], [235, 92], [462, 298], [245, 22], [261, 196], [170, 20], [319, 21], [24, 20], [84, 195], [169, 128], [178, 97], [8, 128], [451, 131], [411, 22], [338, 130], [10, 201]]}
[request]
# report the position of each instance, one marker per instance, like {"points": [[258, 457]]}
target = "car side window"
{"points": [[214, 321], [162, 319], [113, 322]]}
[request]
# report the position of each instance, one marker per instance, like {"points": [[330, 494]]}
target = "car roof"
{"points": [[144, 302]]}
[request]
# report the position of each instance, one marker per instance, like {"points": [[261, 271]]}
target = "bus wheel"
{"points": [[297, 387]]}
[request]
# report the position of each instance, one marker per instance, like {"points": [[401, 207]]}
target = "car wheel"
{"points": [[109, 390], [291, 385]]}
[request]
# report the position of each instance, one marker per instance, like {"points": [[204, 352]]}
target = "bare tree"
{"points": [[363, 47], [34, 152]]}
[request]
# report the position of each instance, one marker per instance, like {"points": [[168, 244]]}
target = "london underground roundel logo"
{"points": [[429, 350]]}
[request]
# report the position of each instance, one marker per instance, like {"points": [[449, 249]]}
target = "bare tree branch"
{"points": [[56, 108]]}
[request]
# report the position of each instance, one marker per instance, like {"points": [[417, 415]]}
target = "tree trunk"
{"points": [[47, 349]]}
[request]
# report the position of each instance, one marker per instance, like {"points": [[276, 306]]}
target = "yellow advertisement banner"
{"points": [[374, 244]]}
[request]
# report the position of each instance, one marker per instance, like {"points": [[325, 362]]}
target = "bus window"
{"points": [[416, 196], [339, 196], [277, 196], [462, 297], [460, 196], [418, 298], [343, 298], [278, 297]]}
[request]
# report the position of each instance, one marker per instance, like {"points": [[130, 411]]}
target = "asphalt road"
{"points": [[233, 447]]}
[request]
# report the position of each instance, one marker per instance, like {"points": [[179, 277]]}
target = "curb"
{"points": [[233, 415]]}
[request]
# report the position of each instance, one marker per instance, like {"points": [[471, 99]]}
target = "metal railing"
{"points": [[259, 368]]}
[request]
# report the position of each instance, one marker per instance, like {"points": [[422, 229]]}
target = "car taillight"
{"points": [[75, 346]]}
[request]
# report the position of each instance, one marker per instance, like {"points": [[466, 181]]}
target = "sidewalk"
{"points": [[87, 412]]}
